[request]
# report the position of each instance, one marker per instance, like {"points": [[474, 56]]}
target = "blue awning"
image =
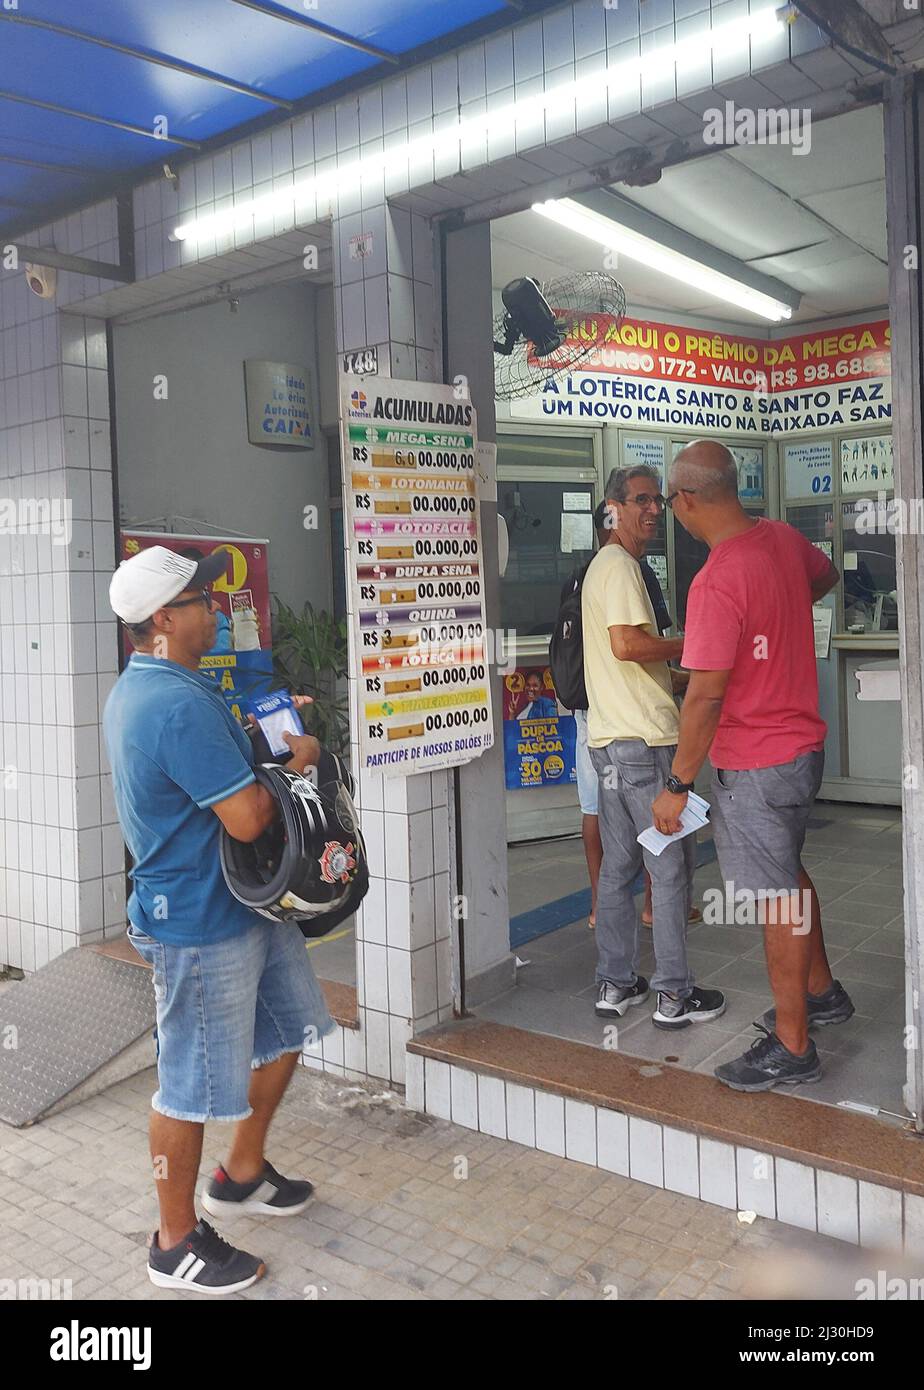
{"points": [[86, 89]]}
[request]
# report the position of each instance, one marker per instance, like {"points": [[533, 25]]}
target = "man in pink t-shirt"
{"points": [[752, 705]]}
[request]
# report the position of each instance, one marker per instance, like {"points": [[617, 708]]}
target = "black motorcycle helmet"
{"points": [[310, 866]]}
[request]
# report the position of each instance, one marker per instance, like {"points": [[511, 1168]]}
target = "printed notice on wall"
{"points": [[823, 619], [646, 452], [416, 576]]}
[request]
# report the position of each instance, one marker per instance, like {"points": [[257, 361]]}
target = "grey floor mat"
{"points": [[60, 1025]]}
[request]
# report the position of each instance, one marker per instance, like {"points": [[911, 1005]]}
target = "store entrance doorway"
{"points": [[853, 848]]}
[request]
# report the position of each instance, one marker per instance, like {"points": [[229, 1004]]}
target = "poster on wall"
{"points": [[241, 660], [278, 403], [539, 741], [866, 463], [750, 472], [664, 376], [417, 615], [809, 468]]}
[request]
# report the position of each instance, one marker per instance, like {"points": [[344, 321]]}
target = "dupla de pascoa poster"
{"points": [[539, 741], [241, 660]]}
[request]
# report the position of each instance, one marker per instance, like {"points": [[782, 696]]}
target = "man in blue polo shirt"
{"points": [[236, 994]]}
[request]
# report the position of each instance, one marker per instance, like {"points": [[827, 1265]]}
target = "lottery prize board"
{"points": [[416, 574]]}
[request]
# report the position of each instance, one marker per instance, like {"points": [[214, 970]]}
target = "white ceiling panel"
{"points": [[722, 202], [857, 212], [845, 150], [815, 222]]}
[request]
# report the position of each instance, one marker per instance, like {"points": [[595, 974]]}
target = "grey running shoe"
{"points": [[612, 1000], [203, 1263], [834, 1006], [767, 1064], [268, 1195], [699, 1006]]}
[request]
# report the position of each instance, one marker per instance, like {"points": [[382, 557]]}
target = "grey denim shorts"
{"points": [[759, 817]]}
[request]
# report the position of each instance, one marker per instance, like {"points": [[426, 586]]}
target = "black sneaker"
{"points": [[613, 1000], [203, 1263], [269, 1195], [700, 1006], [767, 1064], [834, 1006]]}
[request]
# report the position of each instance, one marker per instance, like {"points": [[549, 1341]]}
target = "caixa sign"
{"points": [[278, 403]]}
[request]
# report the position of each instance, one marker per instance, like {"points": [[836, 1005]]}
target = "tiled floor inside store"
{"points": [[854, 856]]}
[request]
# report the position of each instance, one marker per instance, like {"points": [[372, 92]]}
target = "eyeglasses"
{"points": [[648, 499], [669, 501], [202, 597]]}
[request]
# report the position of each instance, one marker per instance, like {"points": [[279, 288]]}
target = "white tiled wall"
{"points": [[61, 856], [727, 1175], [403, 927]]}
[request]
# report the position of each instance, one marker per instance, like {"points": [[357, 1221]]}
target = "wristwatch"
{"points": [[673, 784]]}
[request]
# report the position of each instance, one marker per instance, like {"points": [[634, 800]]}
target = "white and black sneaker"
{"points": [[268, 1195], [613, 1000], [700, 1006], [203, 1263]]}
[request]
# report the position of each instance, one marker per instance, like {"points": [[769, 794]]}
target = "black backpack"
{"points": [[566, 646]]}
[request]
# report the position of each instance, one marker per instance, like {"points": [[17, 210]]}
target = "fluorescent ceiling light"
{"points": [[723, 40], [664, 259]]}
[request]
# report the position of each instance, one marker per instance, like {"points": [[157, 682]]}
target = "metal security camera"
{"points": [[42, 280]]}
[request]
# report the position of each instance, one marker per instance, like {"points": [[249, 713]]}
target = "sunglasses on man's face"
{"points": [[204, 596]]}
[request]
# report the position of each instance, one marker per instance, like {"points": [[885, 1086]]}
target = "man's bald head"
{"points": [[707, 469]]}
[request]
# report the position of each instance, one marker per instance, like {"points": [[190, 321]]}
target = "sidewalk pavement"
{"points": [[407, 1207]]}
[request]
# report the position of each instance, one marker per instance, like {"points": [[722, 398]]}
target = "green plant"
{"points": [[309, 657]]}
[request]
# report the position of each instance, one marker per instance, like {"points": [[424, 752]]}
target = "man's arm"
{"points": [[699, 719], [248, 812], [825, 582], [635, 644]]}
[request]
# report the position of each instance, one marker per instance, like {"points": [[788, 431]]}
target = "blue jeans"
{"points": [[225, 1009]]}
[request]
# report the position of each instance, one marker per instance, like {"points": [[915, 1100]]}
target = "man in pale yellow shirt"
{"points": [[632, 730]]}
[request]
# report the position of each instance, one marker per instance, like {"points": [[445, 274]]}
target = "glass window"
{"points": [[547, 541], [544, 449], [549, 522], [870, 598], [816, 525]]}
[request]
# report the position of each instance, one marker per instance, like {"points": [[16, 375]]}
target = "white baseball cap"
{"points": [[154, 577]]}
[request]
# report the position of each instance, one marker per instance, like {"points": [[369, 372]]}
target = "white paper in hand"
{"points": [[692, 818]]}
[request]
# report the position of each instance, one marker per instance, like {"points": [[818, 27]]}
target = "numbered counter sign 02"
{"points": [[809, 468]]}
